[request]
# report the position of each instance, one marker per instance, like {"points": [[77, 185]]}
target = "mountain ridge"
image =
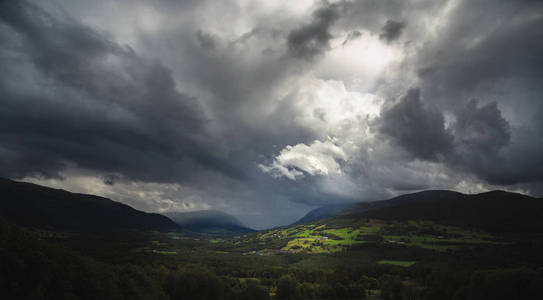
{"points": [[498, 211], [321, 212], [33, 205]]}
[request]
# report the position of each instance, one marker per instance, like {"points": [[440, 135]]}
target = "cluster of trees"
{"points": [[387, 287], [413, 283], [289, 288], [496, 284]]}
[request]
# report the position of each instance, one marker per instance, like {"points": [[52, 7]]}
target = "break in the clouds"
{"points": [[266, 109]]}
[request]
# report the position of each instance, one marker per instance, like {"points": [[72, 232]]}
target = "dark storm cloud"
{"points": [[96, 105], [392, 30], [480, 135], [475, 143], [505, 45], [488, 146], [495, 56], [417, 128], [481, 128], [523, 160], [314, 38]]}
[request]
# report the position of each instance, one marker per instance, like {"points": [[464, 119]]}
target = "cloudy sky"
{"points": [[267, 109]]}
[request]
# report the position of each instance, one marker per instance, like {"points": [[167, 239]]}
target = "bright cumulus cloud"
{"points": [[319, 158], [340, 117]]}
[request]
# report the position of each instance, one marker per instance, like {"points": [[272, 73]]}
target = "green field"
{"points": [[329, 238]]}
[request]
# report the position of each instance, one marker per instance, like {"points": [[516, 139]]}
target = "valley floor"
{"points": [[328, 259]]}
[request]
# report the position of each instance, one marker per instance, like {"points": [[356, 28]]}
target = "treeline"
{"points": [[289, 288], [497, 284]]}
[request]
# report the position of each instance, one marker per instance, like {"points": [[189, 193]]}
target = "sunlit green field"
{"points": [[329, 238]]}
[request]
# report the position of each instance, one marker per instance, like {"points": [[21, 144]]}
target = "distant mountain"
{"points": [[496, 211], [208, 222], [32, 205], [323, 212]]}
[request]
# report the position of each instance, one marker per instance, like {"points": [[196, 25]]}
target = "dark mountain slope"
{"points": [[208, 221], [322, 212], [495, 211], [37, 206]]}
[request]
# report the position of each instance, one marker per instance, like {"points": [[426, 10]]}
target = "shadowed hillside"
{"points": [[37, 206], [323, 212], [494, 211]]}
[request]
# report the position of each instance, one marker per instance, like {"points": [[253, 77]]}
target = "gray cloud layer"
{"points": [[109, 108]]}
